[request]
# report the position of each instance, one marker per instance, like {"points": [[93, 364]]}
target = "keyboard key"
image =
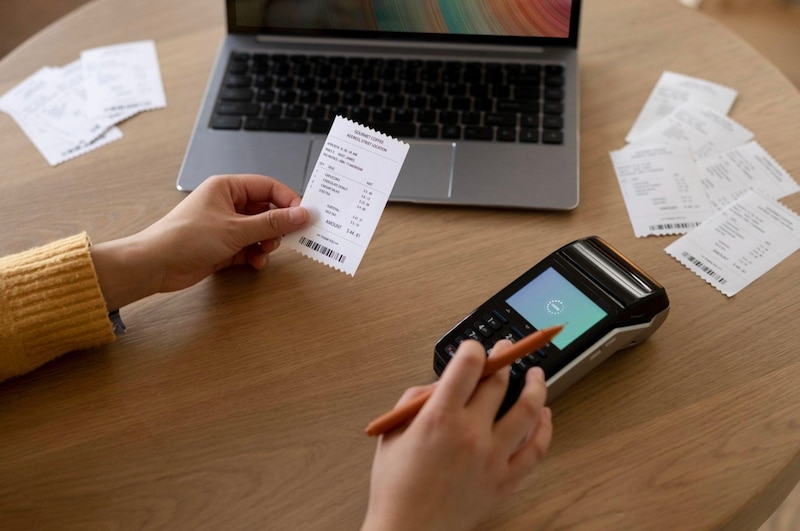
{"points": [[530, 136], [506, 134], [226, 122], [404, 115], [254, 124], [242, 109], [518, 106], [478, 133], [554, 94], [321, 126], [552, 137], [272, 110], [236, 94], [395, 129], [238, 81], [451, 132], [297, 125], [553, 107], [428, 131], [470, 118], [552, 122], [500, 119]]}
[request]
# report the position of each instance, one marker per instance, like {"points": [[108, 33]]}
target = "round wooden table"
{"points": [[240, 403]]}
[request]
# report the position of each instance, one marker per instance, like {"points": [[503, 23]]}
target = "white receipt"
{"points": [[346, 194], [739, 244], [71, 110], [705, 130], [122, 80], [671, 91], [661, 189], [53, 117], [42, 97], [729, 175], [56, 148]]}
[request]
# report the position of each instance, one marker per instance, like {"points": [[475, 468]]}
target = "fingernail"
{"points": [[297, 215], [538, 372]]}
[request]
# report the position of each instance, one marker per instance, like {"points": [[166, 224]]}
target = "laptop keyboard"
{"points": [[427, 99]]}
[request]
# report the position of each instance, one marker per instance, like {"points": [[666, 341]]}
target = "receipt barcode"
{"points": [[704, 268], [330, 253], [672, 226]]}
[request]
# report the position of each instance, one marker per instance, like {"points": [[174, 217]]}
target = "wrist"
{"points": [[124, 271]]}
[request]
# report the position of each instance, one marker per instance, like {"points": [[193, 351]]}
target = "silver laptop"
{"points": [[485, 93]]}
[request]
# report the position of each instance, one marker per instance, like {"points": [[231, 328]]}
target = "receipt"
{"points": [[739, 244], [53, 117], [43, 98], [71, 110], [705, 130], [122, 80], [671, 91], [661, 189], [347, 193], [57, 149], [729, 175]]}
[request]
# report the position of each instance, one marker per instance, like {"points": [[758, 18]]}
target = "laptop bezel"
{"points": [[571, 41]]}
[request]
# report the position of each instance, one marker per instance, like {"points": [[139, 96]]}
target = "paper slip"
{"points": [[52, 119], [740, 243], [671, 91], [729, 175], [59, 109], [705, 130], [122, 80], [42, 98], [661, 189], [346, 194], [56, 148], [71, 82]]}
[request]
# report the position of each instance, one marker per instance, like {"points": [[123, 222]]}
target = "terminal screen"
{"points": [[550, 299]]}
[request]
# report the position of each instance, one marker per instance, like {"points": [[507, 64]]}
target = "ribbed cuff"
{"points": [[50, 303]]}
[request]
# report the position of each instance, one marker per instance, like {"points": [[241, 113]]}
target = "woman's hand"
{"points": [[453, 463], [228, 220]]}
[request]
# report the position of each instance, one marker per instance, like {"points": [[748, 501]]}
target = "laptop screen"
{"points": [[524, 22]]}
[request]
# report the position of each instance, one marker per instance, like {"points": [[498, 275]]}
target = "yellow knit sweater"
{"points": [[50, 303]]}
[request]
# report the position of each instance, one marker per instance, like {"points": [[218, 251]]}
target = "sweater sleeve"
{"points": [[50, 303]]}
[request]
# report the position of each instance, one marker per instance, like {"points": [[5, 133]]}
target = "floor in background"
{"points": [[20, 19], [771, 26]]}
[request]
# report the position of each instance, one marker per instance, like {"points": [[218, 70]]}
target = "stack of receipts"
{"points": [[690, 169], [70, 110]]}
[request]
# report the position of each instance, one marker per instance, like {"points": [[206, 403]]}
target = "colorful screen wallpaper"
{"points": [[537, 18]]}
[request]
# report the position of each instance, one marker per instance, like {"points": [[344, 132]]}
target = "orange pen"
{"points": [[397, 416]]}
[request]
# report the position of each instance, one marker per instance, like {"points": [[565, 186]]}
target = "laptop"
{"points": [[484, 92]]}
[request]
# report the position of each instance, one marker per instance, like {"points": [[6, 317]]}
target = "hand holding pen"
{"points": [[453, 446], [406, 411]]}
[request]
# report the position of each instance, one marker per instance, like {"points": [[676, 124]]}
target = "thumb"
{"points": [[274, 223]]}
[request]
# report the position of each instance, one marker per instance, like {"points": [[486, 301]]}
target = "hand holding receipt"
{"points": [[346, 194]]}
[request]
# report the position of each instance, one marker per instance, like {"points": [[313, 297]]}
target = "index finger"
{"points": [[461, 376], [250, 188]]}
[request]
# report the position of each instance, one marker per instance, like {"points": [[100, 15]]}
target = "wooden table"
{"points": [[240, 403]]}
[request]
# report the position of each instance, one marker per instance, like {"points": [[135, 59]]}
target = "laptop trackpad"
{"points": [[426, 173]]}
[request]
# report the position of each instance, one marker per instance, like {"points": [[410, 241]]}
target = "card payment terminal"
{"points": [[605, 302]]}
